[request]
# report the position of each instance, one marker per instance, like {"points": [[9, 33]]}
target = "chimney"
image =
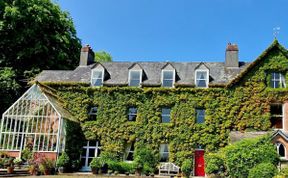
{"points": [[231, 56], [86, 56]]}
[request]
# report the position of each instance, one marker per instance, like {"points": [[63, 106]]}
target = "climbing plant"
{"points": [[242, 105]]}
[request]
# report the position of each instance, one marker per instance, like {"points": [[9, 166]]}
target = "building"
{"points": [[179, 109]]}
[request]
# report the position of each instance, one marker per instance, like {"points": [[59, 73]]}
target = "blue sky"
{"points": [[178, 30]]}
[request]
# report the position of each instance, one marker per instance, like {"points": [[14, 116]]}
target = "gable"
{"points": [[273, 58]]}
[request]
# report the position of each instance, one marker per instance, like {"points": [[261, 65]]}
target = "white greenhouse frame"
{"points": [[35, 119]]}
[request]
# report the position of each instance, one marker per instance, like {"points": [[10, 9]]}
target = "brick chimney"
{"points": [[231, 56], [86, 56]]}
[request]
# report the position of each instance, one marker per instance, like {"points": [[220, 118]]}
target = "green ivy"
{"points": [[245, 105]]}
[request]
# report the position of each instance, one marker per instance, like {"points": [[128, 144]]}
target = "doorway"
{"points": [[199, 163]]}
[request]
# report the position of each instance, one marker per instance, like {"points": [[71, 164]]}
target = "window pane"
{"points": [[166, 111], [281, 150], [135, 75], [132, 114], [97, 74], [167, 83], [200, 115], [201, 83], [165, 119], [168, 75], [92, 152], [164, 153], [93, 110], [201, 75], [134, 83], [97, 82], [276, 109], [276, 122]]}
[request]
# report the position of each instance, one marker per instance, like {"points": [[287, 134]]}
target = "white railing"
{"points": [[168, 169]]}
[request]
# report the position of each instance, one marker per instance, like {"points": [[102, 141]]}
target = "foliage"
{"points": [[214, 163], [241, 107], [186, 167], [102, 56], [63, 160], [35, 35], [96, 163], [17, 161], [46, 164], [26, 154], [121, 166], [74, 143], [284, 172], [238, 158], [263, 170], [8, 86], [144, 159]]}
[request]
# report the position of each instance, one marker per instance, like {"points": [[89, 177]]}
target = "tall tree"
{"points": [[102, 56], [35, 35]]}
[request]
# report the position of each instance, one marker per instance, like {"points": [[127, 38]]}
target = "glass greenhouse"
{"points": [[35, 120]]}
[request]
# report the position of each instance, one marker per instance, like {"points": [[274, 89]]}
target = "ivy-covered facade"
{"points": [[174, 121]]}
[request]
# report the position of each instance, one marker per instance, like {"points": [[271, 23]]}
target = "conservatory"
{"points": [[35, 120]]}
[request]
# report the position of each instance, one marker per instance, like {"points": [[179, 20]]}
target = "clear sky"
{"points": [[178, 30]]}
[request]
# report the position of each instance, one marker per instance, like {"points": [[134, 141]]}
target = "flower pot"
{"points": [[95, 170], [61, 169], [10, 170], [47, 172]]}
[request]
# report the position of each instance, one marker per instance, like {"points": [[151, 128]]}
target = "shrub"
{"points": [[242, 156], [186, 167], [26, 154], [63, 160], [96, 163], [145, 160], [126, 167], [214, 163], [263, 170], [284, 172]]}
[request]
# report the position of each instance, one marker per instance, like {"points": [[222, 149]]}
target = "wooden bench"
{"points": [[168, 169]]}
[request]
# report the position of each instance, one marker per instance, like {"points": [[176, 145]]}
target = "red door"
{"points": [[199, 163]]}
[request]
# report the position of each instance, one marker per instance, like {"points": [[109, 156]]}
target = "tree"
{"points": [[35, 35], [102, 56]]}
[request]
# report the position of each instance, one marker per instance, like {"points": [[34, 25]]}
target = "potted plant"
{"points": [[96, 165], [62, 162], [33, 169], [46, 167], [8, 163], [18, 162]]}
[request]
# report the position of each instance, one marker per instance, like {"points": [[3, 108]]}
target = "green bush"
{"points": [[242, 156], [96, 163], [235, 160], [214, 163], [121, 167], [186, 167], [263, 170], [63, 160], [144, 159], [284, 172]]}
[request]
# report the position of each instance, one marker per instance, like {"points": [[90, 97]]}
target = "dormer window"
{"points": [[168, 78], [201, 79], [97, 77], [135, 78], [277, 80]]}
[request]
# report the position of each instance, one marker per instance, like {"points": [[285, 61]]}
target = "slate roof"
{"points": [[235, 136], [117, 73]]}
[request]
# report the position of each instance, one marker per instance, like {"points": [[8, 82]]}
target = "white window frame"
{"points": [[282, 115], [140, 79], [280, 80], [87, 147], [207, 77], [278, 146], [102, 79], [162, 78]]}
